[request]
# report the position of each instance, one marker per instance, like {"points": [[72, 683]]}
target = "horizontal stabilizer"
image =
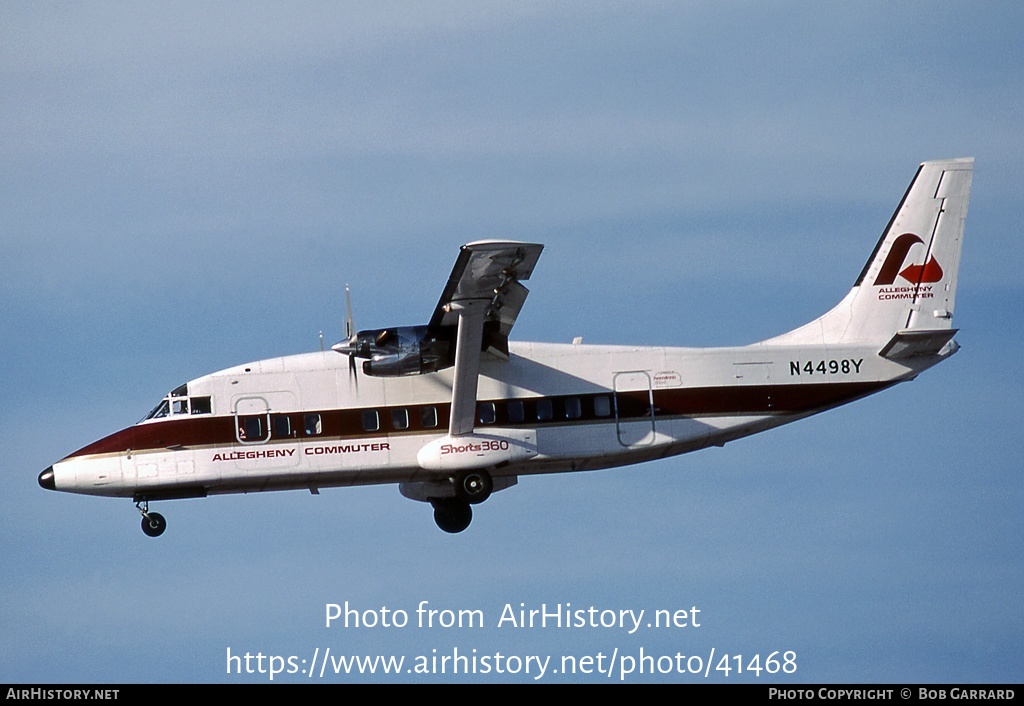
{"points": [[911, 344]]}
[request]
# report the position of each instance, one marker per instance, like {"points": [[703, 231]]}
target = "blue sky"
{"points": [[188, 187]]}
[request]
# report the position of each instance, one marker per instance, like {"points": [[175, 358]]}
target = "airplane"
{"points": [[452, 411]]}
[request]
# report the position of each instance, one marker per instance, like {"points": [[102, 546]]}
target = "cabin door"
{"points": [[634, 408], [265, 438]]}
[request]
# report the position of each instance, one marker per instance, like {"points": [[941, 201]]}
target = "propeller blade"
{"points": [[350, 326], [353, 374], [350, 334]]}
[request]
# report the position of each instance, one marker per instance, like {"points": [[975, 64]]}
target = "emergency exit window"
{"points": [[252, 428]]}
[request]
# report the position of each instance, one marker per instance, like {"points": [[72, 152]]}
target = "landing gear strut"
{"points": [[452, 514], [153, 523], [471, 488]]}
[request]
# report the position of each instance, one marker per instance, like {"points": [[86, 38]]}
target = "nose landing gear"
{"points": [[153, 523]]}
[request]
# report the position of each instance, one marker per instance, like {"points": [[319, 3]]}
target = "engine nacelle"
{"points": [[397, 364], [496, 448], [402, 350]]}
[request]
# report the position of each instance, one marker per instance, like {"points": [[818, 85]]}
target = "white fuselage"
{"points": [[306, 421]]}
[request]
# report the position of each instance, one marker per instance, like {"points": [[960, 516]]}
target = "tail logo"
{"points": [[927, 273]]}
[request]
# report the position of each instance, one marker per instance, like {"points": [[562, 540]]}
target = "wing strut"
{"points": [[467, 364], [481, 301]]}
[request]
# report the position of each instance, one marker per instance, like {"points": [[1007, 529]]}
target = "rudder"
{"points": [[908, 285]]}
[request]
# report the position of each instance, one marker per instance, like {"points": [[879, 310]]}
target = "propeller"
{"points": [[350, 335], [349, 323], [350, 344]]}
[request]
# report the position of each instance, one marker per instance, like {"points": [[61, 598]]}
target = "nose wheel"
{"points": [[153, 523]]}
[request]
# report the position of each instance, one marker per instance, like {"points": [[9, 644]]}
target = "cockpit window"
{"points": [[161, 410], [178, 403]]}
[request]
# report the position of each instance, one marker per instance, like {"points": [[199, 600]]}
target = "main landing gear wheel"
{"points": [[452, 514], [153, 523], [473, 486]]}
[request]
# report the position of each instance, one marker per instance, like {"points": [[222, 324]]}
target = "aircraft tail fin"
{"points": [[905, 294]]}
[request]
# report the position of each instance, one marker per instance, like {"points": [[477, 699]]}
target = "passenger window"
{"points": [[282, 426], [428, 417], [602, 406], [545, 410], [400, 418], [312, 424], [370, 420], [573, 408], [252, 428], [516, 412], [485, 412]]}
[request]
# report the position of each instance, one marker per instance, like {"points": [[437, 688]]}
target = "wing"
{"points": [[491, 271], [482, 300]]}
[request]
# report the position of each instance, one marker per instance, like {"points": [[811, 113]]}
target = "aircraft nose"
{"points": [[46, 479]]}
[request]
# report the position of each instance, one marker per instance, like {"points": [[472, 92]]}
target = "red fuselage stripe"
{"points": [[209, 430]]}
